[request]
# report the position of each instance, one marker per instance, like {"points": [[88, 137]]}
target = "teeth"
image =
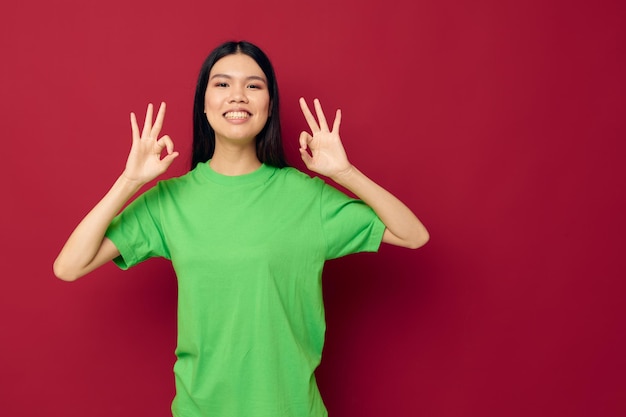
{"points": [[236, 115]]}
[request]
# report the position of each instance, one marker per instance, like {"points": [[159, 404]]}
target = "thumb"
{"points": [[168, 159]]}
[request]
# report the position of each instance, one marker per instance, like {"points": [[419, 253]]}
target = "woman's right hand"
{"points": [[87, 248], [144, 161]]}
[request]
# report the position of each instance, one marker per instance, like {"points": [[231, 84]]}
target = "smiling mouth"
{"points": [[231, 115]]}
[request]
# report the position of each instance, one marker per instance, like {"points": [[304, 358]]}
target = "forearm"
{"points": [[84, 249], [403, 227]]}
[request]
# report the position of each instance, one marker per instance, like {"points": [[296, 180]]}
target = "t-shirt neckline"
{"points": [[260, 175]]}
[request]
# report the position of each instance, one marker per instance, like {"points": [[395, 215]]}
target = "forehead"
{"points": [[237, 65]]}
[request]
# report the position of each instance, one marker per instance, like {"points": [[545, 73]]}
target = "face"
{"points": [[237, 99]]}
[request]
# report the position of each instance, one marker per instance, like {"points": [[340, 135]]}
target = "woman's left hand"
{"points": [[327, 155]]}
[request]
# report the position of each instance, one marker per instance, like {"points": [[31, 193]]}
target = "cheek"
{"points": [[209, 114], [209, 103], [211, 108], [266, 105]]}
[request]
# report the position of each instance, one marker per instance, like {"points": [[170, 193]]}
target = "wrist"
{"points": [[343, 176], [129, 182]]}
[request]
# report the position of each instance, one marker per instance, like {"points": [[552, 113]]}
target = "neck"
{"points": [[234, 160]]}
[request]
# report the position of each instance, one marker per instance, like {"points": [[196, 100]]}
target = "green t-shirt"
{"points": [[248, 252]]}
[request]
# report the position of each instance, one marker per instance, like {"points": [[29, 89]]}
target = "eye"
{"points": [[254, 86], [221, 84]]}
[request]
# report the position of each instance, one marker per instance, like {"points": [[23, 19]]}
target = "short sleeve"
{"points": [[349, 225], [137, 231]]}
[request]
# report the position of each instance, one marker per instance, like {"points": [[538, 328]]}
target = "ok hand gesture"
{"points": [[144, 161], [327, 155]]}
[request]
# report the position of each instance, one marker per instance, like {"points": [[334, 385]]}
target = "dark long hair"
{"points": [[269, 145]]}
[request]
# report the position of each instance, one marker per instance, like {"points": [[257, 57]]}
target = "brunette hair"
{"points": [[269, 146]]}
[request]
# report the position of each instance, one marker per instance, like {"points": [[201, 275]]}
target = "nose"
{"points": [[238, 94]]}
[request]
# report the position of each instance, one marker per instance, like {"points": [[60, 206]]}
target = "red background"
{"points": [[501, 123]]}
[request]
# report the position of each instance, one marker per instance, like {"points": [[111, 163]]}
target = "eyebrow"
{"points": [[251, 77]]}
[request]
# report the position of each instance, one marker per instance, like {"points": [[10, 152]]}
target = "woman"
{"points": [[247, 236]]}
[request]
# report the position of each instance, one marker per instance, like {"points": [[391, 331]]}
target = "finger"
{"points": [[159, 146], [304, 140], [306, 158], [167, 143], [310, 119], [148, 122], [337, 121], [158, 123], [133, 126], [320, 115]]}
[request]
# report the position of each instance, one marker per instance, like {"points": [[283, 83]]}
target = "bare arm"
{"points": [[329, 158], [87, 248]]}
